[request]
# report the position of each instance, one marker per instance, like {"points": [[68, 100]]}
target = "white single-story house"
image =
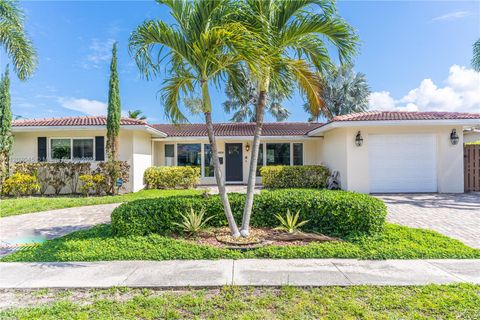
{"points": [[374, 152]]}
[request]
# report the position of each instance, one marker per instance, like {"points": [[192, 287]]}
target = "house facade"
{"points": [[374, 152]]}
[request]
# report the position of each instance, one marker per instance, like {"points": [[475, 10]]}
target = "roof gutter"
{"points": [[390, 123]]}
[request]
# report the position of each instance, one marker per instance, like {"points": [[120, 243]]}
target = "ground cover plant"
{"points": [[10, 207], [99, 244], [460, 301]]}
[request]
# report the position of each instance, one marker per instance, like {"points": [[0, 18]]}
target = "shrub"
{"points": [[171, 177], [20, 184], [111, 172], [294, 176], [92, 184], [335, 213]]}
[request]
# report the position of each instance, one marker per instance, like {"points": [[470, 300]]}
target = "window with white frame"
{"points": [[298, 154], [71, 148], [278, 154], [169, 154]]}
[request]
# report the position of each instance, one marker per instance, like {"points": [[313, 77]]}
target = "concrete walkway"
{"points": [[52, 224], [261, 272]]}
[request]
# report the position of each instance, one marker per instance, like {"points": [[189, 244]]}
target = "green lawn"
{"points": [[10, 207], [97, 244], [460, 301]]}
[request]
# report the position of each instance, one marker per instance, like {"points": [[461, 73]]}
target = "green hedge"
{"points": [[336, 213], [171, 177], [294, 176]]}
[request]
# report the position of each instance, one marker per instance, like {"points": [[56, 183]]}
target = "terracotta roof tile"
{"points": [[405, 115], [73, 121], [238, 129]]}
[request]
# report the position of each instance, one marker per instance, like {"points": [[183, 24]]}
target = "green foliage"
{"points": [[193, 222], [472, 143], [290, 223], [337, 213], [16, 206], [313, 176], [136, 114], [111, 172], [476, 56], [92, 184], [171, 177], [15, 40], [114, 109], [20, 184], [100, 244], [6, 137]]}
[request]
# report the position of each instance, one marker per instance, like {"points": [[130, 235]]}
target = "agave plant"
{"points": [[290, 222], [193, 222]]}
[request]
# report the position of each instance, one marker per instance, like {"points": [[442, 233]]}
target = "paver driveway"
{"points": [[454, 215]]}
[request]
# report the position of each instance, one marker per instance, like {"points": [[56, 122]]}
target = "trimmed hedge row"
{"points": [[294, 176], [171, 177], [336, 213]]}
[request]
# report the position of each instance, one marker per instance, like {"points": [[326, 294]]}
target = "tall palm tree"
{"points": [[295, 35], [344, 92], [15, 40], [136, 114], [202, 47], [242, 102], [476, 56]]}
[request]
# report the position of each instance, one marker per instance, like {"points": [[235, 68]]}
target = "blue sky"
{"points": [[416, 56]]}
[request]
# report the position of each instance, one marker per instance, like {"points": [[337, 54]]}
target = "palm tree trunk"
{"points": [[216, 162], [247, 210]]}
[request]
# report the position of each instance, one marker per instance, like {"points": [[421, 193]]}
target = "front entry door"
{"points": [[233, 162]]}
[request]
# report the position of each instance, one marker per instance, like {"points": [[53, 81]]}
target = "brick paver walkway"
{"points": [[454, 215]]}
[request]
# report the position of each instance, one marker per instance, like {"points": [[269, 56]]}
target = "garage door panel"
{"points": [[402, 163]]}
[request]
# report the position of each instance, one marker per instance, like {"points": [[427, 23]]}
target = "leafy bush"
{"points": [[92, 184], [111, 172], [294, 176], [20, 184], [336, 213], [171, 177]]}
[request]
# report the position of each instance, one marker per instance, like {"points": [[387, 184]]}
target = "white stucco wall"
{"points": [[142, 158], [341, 153]]}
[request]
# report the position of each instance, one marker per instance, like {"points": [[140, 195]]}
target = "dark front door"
{"points": [[233, 162]]}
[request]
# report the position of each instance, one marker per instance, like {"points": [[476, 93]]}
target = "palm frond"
{"points": [[476, 56], [174, 87]]}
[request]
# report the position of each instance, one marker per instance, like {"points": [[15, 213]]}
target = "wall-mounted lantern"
{"points": [[358, 139], [247, 147], [454, 137]]}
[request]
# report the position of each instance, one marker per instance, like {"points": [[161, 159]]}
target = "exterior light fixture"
{"points": [[454, 137], [358, 139], [247, 147]]}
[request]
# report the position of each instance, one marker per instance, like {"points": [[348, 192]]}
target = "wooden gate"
{"points": [[472, 167]]}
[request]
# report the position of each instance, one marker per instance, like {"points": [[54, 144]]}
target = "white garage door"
{"points": [[402, 163]]}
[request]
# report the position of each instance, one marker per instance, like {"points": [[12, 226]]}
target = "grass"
{"points": [[98, 244], [10, 207], [461, 301]]}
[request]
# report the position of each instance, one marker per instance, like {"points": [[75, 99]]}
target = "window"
{"points": [[260, 159], [71, 148], [83, 149], [189, 155], [169, 154], [278, 154], [61, 149], [208, 167], [298, 154]]}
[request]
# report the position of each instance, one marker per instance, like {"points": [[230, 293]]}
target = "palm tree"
{"points": [[476, 56], [344, 92], [202, 47], [136, 114], [295, 35], [243, 102], [14, 39]]}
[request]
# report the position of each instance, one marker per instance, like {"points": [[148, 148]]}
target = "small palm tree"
{"points": [[136, 114], [344, 92], [14, 39], [476, 56]]}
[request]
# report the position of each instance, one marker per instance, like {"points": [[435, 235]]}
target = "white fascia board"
{"points": [[243, 138], [154, 132], [392, 123]]}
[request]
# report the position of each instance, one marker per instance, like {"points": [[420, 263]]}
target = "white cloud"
{"points": [[86, 106], [455, 15], [100, 52], [461, 93]]}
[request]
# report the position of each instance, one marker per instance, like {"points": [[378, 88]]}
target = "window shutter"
{"points": [[42, 149], [100, 148]]}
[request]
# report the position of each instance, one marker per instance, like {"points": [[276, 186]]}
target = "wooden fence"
{"points": [[472, 167]]}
